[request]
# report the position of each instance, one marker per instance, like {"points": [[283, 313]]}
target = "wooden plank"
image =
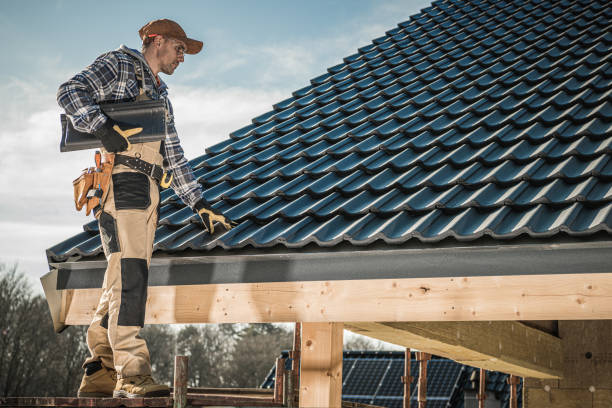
{"points": [[510, 347], [54, 299], [321, 365], [532, 297]]}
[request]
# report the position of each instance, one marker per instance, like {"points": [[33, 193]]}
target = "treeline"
{"points": [[35, 361]]}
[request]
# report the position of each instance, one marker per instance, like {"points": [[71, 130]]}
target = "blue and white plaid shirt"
{"points": [[112, 77]]}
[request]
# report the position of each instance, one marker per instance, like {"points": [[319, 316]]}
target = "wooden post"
{"points": [[279, 380], [407, 379], [482, 388], [422, 359], [295, 363], [181, 376], [513, 381], [321, 365]]}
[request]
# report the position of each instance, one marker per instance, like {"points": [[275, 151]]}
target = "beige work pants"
{"points": [[128, 220]]}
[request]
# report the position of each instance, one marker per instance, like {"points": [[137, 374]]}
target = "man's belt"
{"points": [[152, 170]]}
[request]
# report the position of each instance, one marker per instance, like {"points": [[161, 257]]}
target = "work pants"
{"points": [[127, 221]]}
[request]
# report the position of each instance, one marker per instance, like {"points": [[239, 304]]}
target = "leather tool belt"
{"points": [[152, 170], [91, 187]]}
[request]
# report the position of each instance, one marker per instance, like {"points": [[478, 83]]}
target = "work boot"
{"points": [[99, 383], [139, 386]]}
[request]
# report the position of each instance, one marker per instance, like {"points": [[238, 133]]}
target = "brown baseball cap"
{"points": [[169, 28]]}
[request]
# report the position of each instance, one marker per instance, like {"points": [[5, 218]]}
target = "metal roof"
{"points": [[374, 377], [472, 119]]}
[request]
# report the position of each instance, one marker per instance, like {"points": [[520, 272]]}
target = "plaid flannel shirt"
{"points": [[112, 77]]}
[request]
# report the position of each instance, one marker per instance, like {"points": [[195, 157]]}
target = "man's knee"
{"points": [[134, 279]]}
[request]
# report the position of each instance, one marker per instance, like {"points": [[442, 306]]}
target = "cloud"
{"points": [[206, 116], [211, 99], [37, 211]]}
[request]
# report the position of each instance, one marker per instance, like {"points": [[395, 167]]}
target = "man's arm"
{"points": [[79, 95], [183, 182]]}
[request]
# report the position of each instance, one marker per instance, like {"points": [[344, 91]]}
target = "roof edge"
{"points": [[466, 261]]}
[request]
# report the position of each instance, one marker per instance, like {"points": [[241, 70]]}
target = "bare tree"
{"points": [[255, 351], [34, 360], [161, 341], [207, 347]]}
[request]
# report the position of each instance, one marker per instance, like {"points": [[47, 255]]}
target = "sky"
{"points": [[256, 53]]}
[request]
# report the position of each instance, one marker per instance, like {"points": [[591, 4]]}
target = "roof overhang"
{"points": [[456, 261]]}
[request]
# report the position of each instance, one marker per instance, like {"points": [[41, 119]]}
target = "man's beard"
{"points": [[169, 69]]}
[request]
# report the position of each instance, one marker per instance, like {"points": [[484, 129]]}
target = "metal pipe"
{"points": [[482, 388], [279, 380], [423, 358], [513, 381], [295, 355], [181, 377], [407, 379]]}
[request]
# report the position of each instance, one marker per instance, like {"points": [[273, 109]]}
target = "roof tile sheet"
{"points": [[473, 118]]}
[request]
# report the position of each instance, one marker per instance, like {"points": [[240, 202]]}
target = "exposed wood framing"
{"points": [[483, 298], [54, 300], [321, 365], [510, 347]]}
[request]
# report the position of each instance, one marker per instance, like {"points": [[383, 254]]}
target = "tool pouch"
{"points": [[91, 187], [81, 187]]}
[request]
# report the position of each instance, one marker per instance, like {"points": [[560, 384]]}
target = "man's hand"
{"points": [[114, 135], [209, 216]]}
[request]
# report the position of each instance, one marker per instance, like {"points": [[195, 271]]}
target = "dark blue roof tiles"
{"points": [[470, 119], [84, 243]]}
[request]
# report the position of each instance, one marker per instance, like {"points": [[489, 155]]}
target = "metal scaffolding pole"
{"points": [[407, 379], [423, 358]]}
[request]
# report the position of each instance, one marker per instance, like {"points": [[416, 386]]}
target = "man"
{"points": [[119, 364]]}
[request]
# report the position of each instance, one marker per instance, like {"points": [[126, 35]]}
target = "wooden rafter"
{"points": [[510, 347]]}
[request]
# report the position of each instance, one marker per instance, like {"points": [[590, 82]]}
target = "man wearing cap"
{"points": [[119, 364]]}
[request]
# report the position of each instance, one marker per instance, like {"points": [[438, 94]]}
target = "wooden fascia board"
{"points": [[480, 298], [509, 347]]}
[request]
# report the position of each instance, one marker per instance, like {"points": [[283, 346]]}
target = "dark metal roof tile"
{"points": [[472, 118]]}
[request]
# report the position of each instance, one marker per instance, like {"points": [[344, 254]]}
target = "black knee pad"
{"points": [[134, 282]]}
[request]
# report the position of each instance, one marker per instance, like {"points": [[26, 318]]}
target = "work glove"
{"points": [[114, 135], [209, 216]]}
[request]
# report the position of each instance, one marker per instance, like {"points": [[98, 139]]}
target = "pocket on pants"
{"points": [[131, 191], [108, 233]]}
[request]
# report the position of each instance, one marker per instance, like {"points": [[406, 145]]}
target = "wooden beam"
{"points": [[321, 365], [483, 298], [54, 299], [510, 347]]}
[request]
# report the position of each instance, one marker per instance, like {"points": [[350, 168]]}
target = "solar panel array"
{"points": [[374, 377]]}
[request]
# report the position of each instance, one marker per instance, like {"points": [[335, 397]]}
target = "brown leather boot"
{"points": [[99, 384], [139, 386]]}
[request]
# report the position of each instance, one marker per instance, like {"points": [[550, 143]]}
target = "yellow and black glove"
{"points": [[209, 216], [114, 135]]}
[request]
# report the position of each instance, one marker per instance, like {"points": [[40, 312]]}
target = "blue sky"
{"points": [[255, 54]]}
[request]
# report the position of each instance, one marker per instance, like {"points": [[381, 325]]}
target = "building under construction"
{"points": [[447, 188]]}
